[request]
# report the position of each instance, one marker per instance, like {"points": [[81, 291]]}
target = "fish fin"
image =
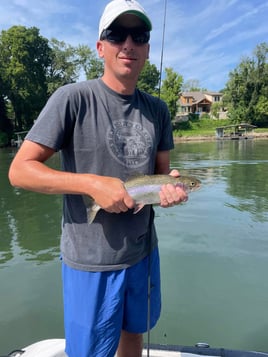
{"points": [[138, 207], [92, 208], [92, 212]]}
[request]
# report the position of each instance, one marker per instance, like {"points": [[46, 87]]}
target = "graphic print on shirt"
{"points": [[129, 143]]}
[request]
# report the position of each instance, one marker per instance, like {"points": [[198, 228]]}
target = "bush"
{"points": [[183, 125], [193, 117]]}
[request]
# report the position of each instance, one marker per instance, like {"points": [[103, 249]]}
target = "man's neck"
{"points": [[122, 86]]}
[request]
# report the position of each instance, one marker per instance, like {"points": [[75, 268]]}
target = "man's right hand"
{"points": [[110, 194]]}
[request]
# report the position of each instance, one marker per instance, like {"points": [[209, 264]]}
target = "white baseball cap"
{"points": [[116, 8]]}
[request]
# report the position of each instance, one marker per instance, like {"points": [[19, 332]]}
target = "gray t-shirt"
{"points": [[101, 132]]}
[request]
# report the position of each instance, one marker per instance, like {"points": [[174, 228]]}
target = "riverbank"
{"points": [[179, 139]]}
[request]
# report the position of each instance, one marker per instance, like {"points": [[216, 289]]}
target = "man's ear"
{"points": [[100, 48]]}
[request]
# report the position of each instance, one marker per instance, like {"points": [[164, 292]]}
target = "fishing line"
{"points": [[152, 214]]}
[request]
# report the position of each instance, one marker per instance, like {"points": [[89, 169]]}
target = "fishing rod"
{"points": [[151, 214], [162, 47]]}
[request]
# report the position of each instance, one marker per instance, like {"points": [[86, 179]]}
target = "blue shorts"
{"points": [[98, 305]]}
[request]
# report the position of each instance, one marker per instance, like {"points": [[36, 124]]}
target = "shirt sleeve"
{"points": [[54, 123]]}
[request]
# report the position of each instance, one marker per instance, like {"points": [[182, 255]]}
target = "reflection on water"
{"points": [[241, 166], [214, 249], [31, 228], [29, 222], [214, 253]]}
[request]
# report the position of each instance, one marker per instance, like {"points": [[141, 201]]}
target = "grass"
{"points": [[199, 127], [261, 130], [204, 127]]}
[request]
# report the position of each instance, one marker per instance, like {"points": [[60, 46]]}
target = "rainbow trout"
{"points": [[145, 190]]}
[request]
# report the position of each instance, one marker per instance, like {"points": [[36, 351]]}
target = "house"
{"points": [[197, 102]]}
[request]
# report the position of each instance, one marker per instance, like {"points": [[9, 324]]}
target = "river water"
{"points": [[214, 253]]}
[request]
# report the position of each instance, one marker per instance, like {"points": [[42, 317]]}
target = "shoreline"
{"points": [[181, 139]]}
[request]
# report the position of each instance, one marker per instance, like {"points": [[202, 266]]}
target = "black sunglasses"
{"points": [[119, 34]]}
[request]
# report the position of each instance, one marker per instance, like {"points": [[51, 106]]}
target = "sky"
{"points": [[203, 39]]}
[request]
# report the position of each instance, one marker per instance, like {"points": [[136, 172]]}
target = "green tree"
{"points": [[3, 110], [24, 58], [5, 123], [246, 91], [69, 62], [170, 90], [192, 85], [149, 79], [262, 110], [89, 62], [215, 109], [63, 67]]}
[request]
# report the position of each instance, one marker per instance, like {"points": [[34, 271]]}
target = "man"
{"points": [[107, 131]]}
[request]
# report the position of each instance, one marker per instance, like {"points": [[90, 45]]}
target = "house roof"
{"points": [[199, 96], [193, 93]]}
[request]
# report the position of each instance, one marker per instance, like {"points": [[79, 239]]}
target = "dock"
{"points": [[235, 132]]}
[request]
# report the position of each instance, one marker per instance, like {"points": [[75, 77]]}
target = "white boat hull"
{"points": [[55, 348]]}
